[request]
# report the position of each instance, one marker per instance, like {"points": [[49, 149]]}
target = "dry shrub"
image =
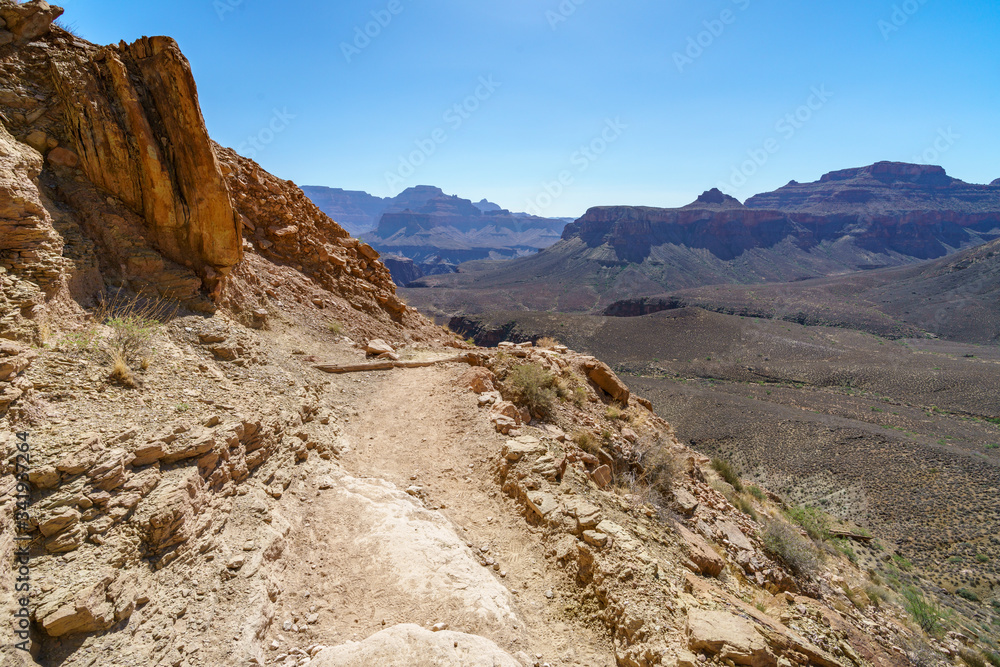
{"points": [[659, 471], [134, 321], [785, 543], [586, 441], [533, 387], [547, 342], [120, 373]]}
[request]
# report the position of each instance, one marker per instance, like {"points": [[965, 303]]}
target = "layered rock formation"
{"points": [[438, 232], [139, 134], [888, 214]]}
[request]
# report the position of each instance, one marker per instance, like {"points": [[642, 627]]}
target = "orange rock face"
{"points": [[140, 136]]}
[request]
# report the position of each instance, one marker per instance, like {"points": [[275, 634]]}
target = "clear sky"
{"points": [[567, 104]]}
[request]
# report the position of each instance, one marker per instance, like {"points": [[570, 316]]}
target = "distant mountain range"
{"points": [[886, 214], [423, 231]]}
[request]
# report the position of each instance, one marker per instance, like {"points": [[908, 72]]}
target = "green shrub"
{"points": [[926, 613], [726, 471], [757, 492], [784, 542], [967, 594], [903, 564], [532, 387], [982, 558], [993, 658], [812, 521]]}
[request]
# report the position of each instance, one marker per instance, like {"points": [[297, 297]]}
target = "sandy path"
{"points": [[417, 427]]}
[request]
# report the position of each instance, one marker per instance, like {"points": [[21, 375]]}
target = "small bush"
{"points": [[532, 387], [811, 520], [579, 396], [727, 473], [614, 413], [784, 542], [757, 492], [993, 658], [967, 594], [335, 327], [927, 614], [133, 321], [982, 558]]}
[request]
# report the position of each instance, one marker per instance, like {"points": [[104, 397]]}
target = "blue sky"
{"points": [[567, 104]]}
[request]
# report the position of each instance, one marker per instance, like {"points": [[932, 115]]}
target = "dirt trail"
{"points": [[418, 427]]}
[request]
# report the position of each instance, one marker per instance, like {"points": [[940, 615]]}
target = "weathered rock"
{"points": [[378, 347], [700, 553], [728, 636], [29, 20], [478, 379], [602, 375], [515, 450], [541, 503], [409, 645], [61, 520], [154, 154], [63, 157]]}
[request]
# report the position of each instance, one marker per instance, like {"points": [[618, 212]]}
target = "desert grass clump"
{"points": [[533, 387], [745, 506], [757, 492], [728, 473], [971, 658], [993, 658], [121, 374], [586, 441], [335, 327], [133, 321], [785, 543], [614, 413]]}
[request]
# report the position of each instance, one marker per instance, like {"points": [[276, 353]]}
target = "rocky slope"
{"points": [[887, 214], [955, 298]]}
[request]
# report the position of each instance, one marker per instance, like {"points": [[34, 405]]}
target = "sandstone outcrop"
{"points": [[138, 133]]}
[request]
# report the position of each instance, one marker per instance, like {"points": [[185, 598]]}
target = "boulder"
{"points": [[602, 477], [378, 347], [701, 553], [602, 375], [407, 645], [478, 379], [728, 636]]}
